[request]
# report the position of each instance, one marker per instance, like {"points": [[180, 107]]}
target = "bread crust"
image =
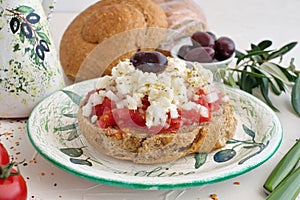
{"points": [[147, 148], [101, 21], [184, 16]]}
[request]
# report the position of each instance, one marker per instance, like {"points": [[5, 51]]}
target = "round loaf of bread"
{"points": [[184, 16], [147, 148], [103, 20]]}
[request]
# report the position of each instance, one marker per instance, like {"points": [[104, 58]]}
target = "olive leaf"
{"points": [[283, 50], [296, 96], [73, 135], [73, 115], [73, 152], [81, 161], [200, 159], [73, 96], [249, 132], [44, 37], [66, 127], [264, 44], [254, 69], [24, 9]]}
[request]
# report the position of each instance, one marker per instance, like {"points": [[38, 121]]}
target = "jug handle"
{"points": [[48, 6]]}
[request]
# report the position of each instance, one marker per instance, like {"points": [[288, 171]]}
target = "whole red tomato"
{"points": [[4, 157], [13, 188]]}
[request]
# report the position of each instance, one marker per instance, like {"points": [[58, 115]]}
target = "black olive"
{"points": [[26, 30], [200, 54], [44, 45], [33, 18], [184, 50], [14, 24], [225, 47], [154, 62], [39, 50]]}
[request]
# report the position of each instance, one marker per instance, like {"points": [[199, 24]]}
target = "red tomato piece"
{"points": [[190, 117], [4, 157], [106, 119], [106, 104], [13, 188], [174, 125], [138, 117]]}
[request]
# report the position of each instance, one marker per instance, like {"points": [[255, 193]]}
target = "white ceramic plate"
{"points": [[53, 131]]}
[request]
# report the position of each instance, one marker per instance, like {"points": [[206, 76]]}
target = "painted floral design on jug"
{"points": [[30, 69]]}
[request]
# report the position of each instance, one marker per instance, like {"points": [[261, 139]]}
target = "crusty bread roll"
{"points": [[148, 148], [103, 20], [184, 16]]}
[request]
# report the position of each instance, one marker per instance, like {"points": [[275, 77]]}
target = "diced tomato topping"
{"points": [[138, 117], [99, 109], [106, 119], [109, 115], [174, 125]]}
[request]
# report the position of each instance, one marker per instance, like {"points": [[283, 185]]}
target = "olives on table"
{"points": [[155, 62], [224, 48], [200, 54], [206, 47]]}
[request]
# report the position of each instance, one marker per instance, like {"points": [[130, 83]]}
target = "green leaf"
{"points": [[44, 37], [73, 135], [73, 96], [250, 55], [231, 80], [254, 48], [24, 9], [73, 152], [274, 71], [296, 96], [80, 162], [289, 73], [246, 83], [250, 73], [275, 89], [238, 54], [66, 127], [264, 44], [21, 36], [283, 50], [200, 159], [74, 115], [16, 47], [264, 88], [248, 131]]}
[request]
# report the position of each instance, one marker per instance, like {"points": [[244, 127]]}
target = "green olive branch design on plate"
{"points": [[220, 156], [25, 22], [227, 154]]}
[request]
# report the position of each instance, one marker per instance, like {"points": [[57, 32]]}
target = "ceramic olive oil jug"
{"points": [[29, 66]]}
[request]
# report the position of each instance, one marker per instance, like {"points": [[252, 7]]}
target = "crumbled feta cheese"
{"points": [[94, 118], [87, 110], [155, 115], [95, 99], [212, 97], [112, 96], [172, 89]]}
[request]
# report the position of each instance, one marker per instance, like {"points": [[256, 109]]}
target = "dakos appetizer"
{"points": [[155, 109]]}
